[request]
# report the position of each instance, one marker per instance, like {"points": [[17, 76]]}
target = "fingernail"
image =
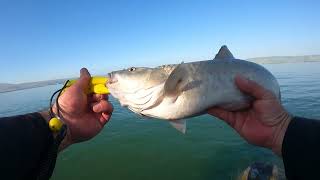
{"points": [[242, 79], [99, 107], [239, 76], [245, 80]]}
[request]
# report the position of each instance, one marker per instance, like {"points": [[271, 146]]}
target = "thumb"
{"points": [[251, 87], [84, 79]]}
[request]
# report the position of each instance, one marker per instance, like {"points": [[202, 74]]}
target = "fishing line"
{"points": [[57, 103]]}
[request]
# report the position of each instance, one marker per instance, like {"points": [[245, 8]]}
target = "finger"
{"points": [[224, 115], [105, 118], [84, 79], [98, 97], [250, 87], [92, 98], [102, 106]]}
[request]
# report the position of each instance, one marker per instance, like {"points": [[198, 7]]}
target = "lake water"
{"points": [[134, 148]]}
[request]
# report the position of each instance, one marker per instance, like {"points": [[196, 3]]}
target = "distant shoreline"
{"points": [[266, 62], [5, 87], [285, 59], [20, 89]]}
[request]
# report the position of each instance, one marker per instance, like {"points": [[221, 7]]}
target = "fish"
{"points": [[175, 92]]}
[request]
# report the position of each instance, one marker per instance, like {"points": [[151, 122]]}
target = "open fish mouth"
{"points": [[112, 78]]}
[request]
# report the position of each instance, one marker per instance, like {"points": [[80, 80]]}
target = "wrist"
{"points": [[280, 132], [46, 116], [66, 141]]}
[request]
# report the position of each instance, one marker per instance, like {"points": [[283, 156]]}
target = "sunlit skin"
{"points": [[264, 123], [85, 115]]}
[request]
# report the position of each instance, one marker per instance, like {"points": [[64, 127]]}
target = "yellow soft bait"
{"points": [[97, 85]]}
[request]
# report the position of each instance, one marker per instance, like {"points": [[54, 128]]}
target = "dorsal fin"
{"points": [[224, 53]]}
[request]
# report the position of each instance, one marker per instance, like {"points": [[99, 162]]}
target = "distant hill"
{"points": [[285, 59], [5, 87]]}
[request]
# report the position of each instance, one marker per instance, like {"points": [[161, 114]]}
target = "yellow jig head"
{"points": [[97, 85]]}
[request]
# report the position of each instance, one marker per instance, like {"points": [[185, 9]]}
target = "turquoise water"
{"points": [[131, 147]]}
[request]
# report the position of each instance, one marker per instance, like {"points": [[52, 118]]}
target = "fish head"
{"points": [[137, 87], [134, 79]]}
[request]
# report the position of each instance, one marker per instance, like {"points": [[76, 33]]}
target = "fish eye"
{"points": [[132, 69]]}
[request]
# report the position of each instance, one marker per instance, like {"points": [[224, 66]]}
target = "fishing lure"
{"points": [[97, 85]]}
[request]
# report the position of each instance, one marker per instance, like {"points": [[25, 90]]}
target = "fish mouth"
{"points": [[112, 78]]}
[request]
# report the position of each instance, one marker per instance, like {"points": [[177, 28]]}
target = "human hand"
{"points": [[85, 115], [264, 123]]}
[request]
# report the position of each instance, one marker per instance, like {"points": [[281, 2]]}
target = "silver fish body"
{"points": [[174, 92]]}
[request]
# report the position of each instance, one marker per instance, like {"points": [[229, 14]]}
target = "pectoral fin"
{"points": [[176, 81], [180, 125]]}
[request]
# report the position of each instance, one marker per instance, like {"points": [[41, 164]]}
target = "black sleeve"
{"points": [[24, 142], [301, 149]]}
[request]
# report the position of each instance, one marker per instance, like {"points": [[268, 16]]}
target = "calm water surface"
{"points": [[134, 148]]}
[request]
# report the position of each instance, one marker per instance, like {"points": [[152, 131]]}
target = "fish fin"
{"points": [[180, 125], [176, 81], [224, 53]]}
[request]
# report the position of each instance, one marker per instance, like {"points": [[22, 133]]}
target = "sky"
{"points": [[51, 39]]}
